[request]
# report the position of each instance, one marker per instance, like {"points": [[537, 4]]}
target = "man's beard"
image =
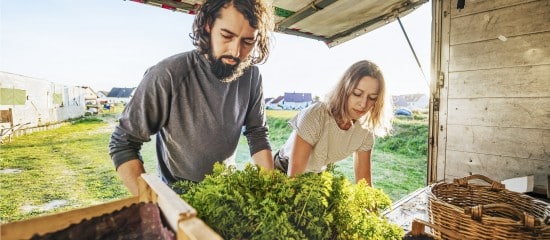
{"points": [[225, 72]]}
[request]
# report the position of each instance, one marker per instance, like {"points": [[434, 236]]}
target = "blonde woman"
{"points": [[354, 112]]}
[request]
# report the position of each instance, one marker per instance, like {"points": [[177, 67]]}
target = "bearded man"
{"points": [[197, 102]]}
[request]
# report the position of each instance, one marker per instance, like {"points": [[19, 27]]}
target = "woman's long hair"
{"points": [[258, 13]]}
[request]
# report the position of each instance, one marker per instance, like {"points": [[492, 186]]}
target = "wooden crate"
{"points": [[180, 216]]}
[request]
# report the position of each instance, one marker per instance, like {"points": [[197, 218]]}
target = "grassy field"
{"points": [[69, 167], [57, 170]]}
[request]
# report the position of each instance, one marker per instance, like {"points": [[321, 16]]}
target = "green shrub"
{"points": [[258, 204]]}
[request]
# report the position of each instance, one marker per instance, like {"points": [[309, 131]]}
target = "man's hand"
{"points": [[129, 173]]}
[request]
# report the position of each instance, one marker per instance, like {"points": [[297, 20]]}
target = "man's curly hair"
{"points": [[258, 13]]}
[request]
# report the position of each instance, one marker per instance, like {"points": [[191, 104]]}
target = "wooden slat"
{"points": [[501, 112], [441, 91], [508, 22], [173, 207], [524, 50], [179, 214], [527, 81], [507, 142], [51, 223], [497, 167], [477, 6], [196, 229]]}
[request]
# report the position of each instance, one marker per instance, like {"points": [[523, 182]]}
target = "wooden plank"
{"points": [[501, 112], [496, 167], [196, 229], [527, 18], [524, 50], [174, 208], [506, 142], [526, 81], [441, 89], [478, 6], [51, 223]]}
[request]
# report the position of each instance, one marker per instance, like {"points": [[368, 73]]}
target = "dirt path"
{"points": [[112, 122]]}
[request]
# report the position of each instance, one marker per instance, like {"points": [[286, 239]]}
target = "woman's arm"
{"points": [[362, 166], [299, 156]]}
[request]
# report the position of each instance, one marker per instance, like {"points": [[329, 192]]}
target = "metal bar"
{"points": [[414, 53], [303, 13], [306, 35]]}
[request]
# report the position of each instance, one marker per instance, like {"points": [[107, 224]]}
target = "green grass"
{"points": [[72, 164], [409, 138], [69, 164]]}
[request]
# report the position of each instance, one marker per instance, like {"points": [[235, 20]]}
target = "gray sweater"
{"points": [[196, 118]]}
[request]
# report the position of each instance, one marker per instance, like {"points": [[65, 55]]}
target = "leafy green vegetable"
{"points": [[256, 204]]}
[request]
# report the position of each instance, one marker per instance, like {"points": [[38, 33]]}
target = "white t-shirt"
{"points": [[330, 143]]}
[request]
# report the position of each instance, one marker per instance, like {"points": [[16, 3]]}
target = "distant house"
{"points": [[32, 102], [91, 99], [411, 101], [274, 103], [102, 96], [297, 100], [90, 96], [120, 95]]}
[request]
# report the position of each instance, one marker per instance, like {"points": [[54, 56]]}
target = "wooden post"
{"points": [[10, 117]]}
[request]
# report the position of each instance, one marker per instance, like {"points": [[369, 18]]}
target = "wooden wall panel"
{"points": [[524, 50], [527, 81], [498, 168], [524, 143], [507, 22], [501, 112], [495, 115], [477, 6]]}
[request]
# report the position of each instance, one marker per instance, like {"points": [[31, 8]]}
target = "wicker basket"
{"points": [[481, 211]]}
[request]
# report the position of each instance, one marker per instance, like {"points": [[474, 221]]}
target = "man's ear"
{"points": [[207, 26]]}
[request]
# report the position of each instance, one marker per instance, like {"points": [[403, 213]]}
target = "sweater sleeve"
{"points": [[142, 117], [256, 129]]}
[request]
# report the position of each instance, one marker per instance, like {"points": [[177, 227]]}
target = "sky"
{"points": [[110, 43]]}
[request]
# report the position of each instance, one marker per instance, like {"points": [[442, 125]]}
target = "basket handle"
{"points": [[527, 220], [463, 182]]}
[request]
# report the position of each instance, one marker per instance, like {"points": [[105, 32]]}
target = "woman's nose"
{"points": [[363, 102]]}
